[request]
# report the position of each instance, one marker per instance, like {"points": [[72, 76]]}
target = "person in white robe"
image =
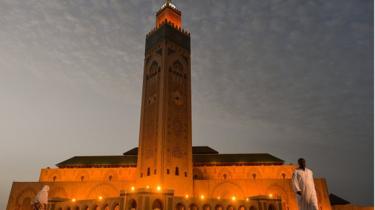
{"points": [[41, 199], [303, 186]]}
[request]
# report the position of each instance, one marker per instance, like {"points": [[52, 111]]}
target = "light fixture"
{"points": [[270, 195], [218, 197], [100, 198], [247, 199], [233, 198], [186, 196], [158, 188], [73, 200], [132, 188], [147, 187], [202, 197]]}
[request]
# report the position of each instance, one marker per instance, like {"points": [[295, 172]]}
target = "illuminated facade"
{"points": [[166, 172]]}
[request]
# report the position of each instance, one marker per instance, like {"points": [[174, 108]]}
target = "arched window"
{"points": [[224, 176], [154, 69], [177, 71], [185, 174], [148, 171], [110, 178], [116, 207], [157, 205], [167, 171], [54, 178], [254, 176], [177, 172], [283, 175], [82, 178]]}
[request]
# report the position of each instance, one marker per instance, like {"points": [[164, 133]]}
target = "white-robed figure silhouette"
{"points": [[303, 186], [41, 199]]}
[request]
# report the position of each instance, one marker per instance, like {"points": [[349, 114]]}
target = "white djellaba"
{"points": [[303, 182], [41, 199]]}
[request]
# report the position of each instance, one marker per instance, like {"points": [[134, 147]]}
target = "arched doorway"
{"points": [[206, 207], [132, 205], [242, 208], [116, 207], [230, 207], [271, 207], [253, 208], [219, 207], [106, 207], [157, 205], [180, 206], [193, 207]]}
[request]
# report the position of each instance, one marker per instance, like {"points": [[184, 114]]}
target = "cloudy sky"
{"points": [[289, 77]]}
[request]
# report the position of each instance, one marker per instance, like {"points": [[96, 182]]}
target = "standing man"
{"points": [[303, 186], [41, 199]]}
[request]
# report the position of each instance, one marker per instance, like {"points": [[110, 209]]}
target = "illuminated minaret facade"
{"points": [[165, 138]]}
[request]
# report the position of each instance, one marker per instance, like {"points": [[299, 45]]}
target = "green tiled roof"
{"points": [[201, 156], [99, 161], [236, 159], [195, 150]]}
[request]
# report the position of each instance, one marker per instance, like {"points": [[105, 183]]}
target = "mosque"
{"points": [[166, 171]]}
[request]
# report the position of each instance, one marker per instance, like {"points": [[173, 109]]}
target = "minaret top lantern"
{"points": [[168, 12]]}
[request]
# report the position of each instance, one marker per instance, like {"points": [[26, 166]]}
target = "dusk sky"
{"points": [[293, 78]]}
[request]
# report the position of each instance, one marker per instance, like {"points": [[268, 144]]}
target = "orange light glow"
{"points": [[132, 188], [218, 198], [186, 196], [234, 198], [73, 200], [202, 197], [247, 199], [100, 198], [158, 188], [147, 187], [270, 195]]}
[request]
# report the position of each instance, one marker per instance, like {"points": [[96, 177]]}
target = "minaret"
{"points": [[165, 145]]}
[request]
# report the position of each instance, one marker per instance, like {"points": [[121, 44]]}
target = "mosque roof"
{"points": [[202, 156], [336, 200], [196, 150]]}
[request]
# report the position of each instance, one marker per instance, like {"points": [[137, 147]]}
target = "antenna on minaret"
{"points": [[168, 1]]}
